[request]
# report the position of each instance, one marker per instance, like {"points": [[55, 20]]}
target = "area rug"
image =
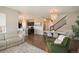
{"points": [[23, 48]]}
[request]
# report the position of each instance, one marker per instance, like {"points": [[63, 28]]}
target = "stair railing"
{"points": [[59, 24]]}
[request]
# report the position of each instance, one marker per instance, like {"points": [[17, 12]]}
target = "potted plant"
{"points": [[75, 29]]}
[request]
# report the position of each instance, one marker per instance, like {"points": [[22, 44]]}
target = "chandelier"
{"points": [[54, 14]]}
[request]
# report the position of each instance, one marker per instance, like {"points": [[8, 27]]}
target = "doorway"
{"points": [[30, 28]]}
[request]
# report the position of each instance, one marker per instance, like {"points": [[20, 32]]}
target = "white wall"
{"points": [[11, 19]]}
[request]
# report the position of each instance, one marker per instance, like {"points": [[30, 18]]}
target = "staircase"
{"points": [[59, 24]]}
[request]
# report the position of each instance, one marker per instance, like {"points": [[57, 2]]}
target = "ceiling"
{"points": [[42, 11]]}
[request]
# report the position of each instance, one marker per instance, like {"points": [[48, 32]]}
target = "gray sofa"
{"points": [[2, 41], [9, 39]]}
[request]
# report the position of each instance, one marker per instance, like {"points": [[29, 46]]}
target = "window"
{"points": [[2, 22]]}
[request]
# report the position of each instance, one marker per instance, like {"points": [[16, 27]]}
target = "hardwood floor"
{"points": [[74, 46], [37, 40]]}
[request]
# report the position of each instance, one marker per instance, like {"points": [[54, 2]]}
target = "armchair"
{"points": [[58, 48]]}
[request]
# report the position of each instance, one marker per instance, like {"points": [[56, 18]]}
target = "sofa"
{"points": [[13, 39], [2, 41], [9, 39], [58, 48]]}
